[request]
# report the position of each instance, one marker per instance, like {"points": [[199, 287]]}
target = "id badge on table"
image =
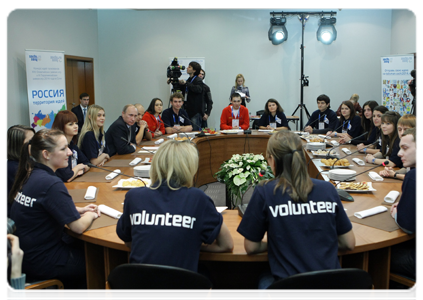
{"points": [[344, 130], [321, 125], [235, 123], [273, 125]]}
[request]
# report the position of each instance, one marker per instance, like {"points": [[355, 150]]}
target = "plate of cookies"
{"points": [[356, 187], [336, 163], [132, 183]]}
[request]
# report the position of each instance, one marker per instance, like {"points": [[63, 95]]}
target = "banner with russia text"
{"points": [[396, 95], [45, 73]]}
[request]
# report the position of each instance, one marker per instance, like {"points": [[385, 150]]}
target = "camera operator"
{"points": [[193, 89], [14, 258], [414, 86]]}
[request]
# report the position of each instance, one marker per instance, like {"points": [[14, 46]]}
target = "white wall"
{"points": [[73, 31], [131, 50], [135, 47], [403, 33]]}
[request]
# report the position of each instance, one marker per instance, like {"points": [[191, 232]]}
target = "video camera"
{"points": [[174, 72]]}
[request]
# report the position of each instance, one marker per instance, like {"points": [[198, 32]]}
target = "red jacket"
{"points": [[226, 118], [153, 124]]}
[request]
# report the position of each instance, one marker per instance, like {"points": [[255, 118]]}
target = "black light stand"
{"points": [[304, 80]]}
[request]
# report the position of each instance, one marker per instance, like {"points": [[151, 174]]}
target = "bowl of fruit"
{"points": [[209, 131]]}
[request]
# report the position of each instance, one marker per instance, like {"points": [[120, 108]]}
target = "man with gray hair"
{"points": [[121, 135], [142, 131]]}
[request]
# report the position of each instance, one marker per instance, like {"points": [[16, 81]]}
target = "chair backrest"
{"points": [[145, 276], [326, 279], [260, 112]]}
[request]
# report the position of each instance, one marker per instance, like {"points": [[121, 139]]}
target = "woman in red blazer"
{"points": [[235, 116], [153, 119]]}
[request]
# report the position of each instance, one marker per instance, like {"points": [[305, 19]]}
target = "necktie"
{"points": [[85, 112]]}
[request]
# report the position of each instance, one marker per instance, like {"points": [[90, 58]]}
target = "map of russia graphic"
{"points": [[45, 120]]}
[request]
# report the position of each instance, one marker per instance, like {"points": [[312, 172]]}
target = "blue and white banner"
{"points": [[395, 76], [45, 73]]}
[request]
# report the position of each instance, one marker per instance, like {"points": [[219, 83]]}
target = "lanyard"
{"points": [[174, 120], [186, 89], [239, 113], [343, 125]]}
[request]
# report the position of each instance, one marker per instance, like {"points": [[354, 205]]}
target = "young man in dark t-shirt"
{"points": [[322, 120], [175, 118], [403, 257]]}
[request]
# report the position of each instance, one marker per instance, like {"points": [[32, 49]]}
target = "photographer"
{"points": [[193, 89], [14, 263], [414, 86]]}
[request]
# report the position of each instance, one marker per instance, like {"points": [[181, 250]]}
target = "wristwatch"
{"points": [[395, 175]]}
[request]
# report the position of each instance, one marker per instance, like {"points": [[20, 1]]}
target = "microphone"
{"points": [[316, 120], [119, 173], [122, 138], [343, 144], [179, 131]]}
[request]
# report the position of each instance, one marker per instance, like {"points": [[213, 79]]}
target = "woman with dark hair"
{"points": [[300, 238], [366, 124], [17, 136], [372, 148], [153, 119], [390, 142], [42, 207], [67, 122], [273, 117], [349, 123]]}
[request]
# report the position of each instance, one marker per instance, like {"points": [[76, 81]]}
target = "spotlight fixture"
{"points": [[326, 32], [277, 31]]}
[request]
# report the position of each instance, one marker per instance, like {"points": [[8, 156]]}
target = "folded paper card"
{"points": [[370, 212], [375, 176], [391, 197], [158, 142], [113, 174], [104, 209], [91, 192], [135, 161]]}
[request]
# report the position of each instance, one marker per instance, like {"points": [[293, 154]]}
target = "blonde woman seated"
{"points": [[92, 138], [171, 221]]}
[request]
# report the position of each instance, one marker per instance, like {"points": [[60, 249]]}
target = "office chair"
{"points": [[260, 112], [326, 279], [145, 276]]}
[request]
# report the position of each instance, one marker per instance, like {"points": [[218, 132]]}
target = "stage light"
{"points": [[326, 32], [277, 31]]}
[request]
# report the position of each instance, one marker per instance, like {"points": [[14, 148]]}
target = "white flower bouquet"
{"points": [[242, 171]]}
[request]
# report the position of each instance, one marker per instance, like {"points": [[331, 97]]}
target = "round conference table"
{"points": [[105, 251]]}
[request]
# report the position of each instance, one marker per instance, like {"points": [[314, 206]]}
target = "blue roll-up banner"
{"points": [[396, 95], [45, 73]]}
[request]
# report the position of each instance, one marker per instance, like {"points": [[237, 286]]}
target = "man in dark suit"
{"points": [[124, 127], [81, 110]]}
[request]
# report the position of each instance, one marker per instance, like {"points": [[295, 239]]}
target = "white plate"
{"points": [[120, 182], [371, 189], [320, 164], [232, 131], [323, 155], [211, 133]]}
